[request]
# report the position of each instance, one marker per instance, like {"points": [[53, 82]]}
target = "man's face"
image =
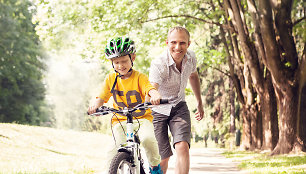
{"points": [[122, 64], [178, 42]]}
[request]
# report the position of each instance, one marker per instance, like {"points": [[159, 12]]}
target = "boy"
{"points": [[129, 88]]}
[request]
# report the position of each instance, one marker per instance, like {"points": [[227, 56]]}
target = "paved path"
{"points": [[208, 161]]}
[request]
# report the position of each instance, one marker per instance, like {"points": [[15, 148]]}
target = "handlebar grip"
{"points": [[100, 109], [164, 101]]}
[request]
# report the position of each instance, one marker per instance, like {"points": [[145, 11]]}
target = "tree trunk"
{"points": [[246, 128], [254, 133], [259, 129], [280, 51], [268, 105], [269, 116], [232, 108], [288, 106], [302, 120]]}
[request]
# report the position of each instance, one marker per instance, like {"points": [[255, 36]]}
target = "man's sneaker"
{"points": [[156, 170]]}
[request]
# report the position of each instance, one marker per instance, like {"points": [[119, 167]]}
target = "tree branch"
{"points": [[224, 73], [186, 16], [298, 21], [192, 17]]}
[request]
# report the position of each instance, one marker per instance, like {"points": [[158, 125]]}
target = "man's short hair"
{"points": [[179, 28]]}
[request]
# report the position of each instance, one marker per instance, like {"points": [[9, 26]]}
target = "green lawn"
{"points": [[41, 150], [256, 163]]}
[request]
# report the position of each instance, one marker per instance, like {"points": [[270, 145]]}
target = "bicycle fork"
{"points": [[133, 144]]}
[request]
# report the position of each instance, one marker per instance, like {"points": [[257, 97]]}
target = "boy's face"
{"points": [[122, 64], [178, 42]]}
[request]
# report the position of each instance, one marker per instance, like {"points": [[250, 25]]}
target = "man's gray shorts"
{"points": [[180, 128]]}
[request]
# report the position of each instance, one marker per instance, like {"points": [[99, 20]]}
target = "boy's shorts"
{"points": [[180, 128]]}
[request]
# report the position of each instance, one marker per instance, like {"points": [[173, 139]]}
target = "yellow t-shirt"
{"points": [[127, 93]]}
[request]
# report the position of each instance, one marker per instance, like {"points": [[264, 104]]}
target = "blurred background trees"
{"points": [[251, 59], [22, 89]]}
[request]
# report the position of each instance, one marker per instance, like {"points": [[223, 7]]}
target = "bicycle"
{"points": [[128, 160]]}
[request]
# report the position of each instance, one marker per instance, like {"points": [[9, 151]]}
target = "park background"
{"points": [[251, 62]]}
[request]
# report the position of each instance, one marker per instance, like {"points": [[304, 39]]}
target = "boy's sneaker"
{"points": [[156, 170]]}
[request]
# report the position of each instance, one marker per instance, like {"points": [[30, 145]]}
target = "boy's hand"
{"points": [[155, 97], [92, 109], [95, 105]]}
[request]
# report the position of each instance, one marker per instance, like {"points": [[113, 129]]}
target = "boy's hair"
{"points": [[179, 28]]}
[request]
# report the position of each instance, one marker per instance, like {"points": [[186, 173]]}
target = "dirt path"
{"points": [[208, 161]]}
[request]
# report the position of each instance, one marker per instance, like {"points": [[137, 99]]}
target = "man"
{"points": [[169, 74]]}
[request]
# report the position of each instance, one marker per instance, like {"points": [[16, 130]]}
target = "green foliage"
{"points": [[92, 23], [148, 21], [299, 29], [21, 88]]}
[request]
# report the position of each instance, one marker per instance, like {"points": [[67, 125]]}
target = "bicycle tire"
{"points": [[121, 163]]}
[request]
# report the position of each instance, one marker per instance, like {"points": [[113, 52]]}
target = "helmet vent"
{"points": [[107, 52], [125, 46], [119, 42]]}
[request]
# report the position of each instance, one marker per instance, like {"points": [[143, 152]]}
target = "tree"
{"points": [[21, 67], [286, 66], [262, 45]]}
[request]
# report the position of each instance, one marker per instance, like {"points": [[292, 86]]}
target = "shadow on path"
{"points": [[208, 161]]}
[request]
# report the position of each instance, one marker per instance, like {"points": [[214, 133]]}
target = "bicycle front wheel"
{"points": [[121, 164]]}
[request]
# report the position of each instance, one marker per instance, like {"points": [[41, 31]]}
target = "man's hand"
{"points": [[200, 112], [155, 97], [195, 85]]}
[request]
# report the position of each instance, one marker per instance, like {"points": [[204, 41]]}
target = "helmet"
{"points": [[120, 46]]}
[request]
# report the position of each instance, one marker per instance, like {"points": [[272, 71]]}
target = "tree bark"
{"points": [[232, 108], [287, 114], [246, 128], [268, 106], [254, 115], [302, 120], [282, 62]]}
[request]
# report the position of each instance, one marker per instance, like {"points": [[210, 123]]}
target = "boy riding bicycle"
{"points": [[129, 88]]}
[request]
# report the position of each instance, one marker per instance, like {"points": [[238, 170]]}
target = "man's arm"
{"points": [[155, 85], [155, 96], [195, 85]]}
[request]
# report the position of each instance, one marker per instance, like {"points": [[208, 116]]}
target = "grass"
{"points": [[257, 163], [41, 150]]}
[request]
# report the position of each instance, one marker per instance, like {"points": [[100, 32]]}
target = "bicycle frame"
{"points": [[132, 144], [128, 153]]}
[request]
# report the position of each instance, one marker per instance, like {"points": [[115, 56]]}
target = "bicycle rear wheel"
{"points": [[121, 164]]}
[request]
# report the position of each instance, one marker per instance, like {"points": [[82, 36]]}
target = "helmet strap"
{"points": [[131, 59], [115, 82]]}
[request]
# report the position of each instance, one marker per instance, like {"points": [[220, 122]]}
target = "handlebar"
{"points": [[103, 110]]}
